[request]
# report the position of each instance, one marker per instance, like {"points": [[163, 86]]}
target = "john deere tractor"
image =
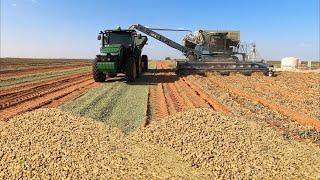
{"points": [[120, 52]]}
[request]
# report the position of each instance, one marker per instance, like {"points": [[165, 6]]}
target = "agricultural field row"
{"points": [[14, 64], [41, 76], [243, 103], [34, 83], [285, 90]]}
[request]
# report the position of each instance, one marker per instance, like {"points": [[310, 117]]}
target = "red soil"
{"points": [[173, 94], [24, 98]]}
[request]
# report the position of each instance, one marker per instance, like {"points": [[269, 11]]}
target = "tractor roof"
{"points": [[121, 30]]}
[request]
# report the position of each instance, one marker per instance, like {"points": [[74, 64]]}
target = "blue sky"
{"points": [[68, 28]]}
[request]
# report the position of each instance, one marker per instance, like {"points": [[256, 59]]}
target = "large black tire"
{"points": [[224, 73], [97, 75], [144, 60], [247, 73], [111, 75], [139, 68], [131, 71], [235, 58]]}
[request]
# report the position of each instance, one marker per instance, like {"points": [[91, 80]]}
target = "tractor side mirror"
{"points": [[99, 37]]}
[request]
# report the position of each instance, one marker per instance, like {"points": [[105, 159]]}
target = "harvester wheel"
{"points": [[235, 58], [247, 73], [144, 60], [97, 75], [269, 73], [131, 73], [178, 72], [224, 73], [111, 75]]}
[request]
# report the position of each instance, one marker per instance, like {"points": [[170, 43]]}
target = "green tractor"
{"points": [[120, 52]]}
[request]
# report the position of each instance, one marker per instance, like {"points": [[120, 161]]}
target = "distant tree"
{"points": [[167, 58]]}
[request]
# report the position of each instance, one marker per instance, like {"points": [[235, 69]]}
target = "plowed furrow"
{"points": [[32, 95], [171, 104], [5, 91], [21, 72], [266, 88], [192, 96], [178, 100], [162, 107], [213, 103], [174, 94], [300, 118], [15, 93], [246, 109], [186, 96], [18, 97], [46, 99]]}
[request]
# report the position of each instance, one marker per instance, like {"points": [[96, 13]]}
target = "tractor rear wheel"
{"points": [[139, 68], [131, 73], [97, 75], [144, 60]]}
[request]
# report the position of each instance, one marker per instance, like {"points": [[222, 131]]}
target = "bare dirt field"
{"points": [[11, 64], [162, 126], [41, 83]]}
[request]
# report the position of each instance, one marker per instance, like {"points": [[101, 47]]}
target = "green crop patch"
{"points": [[116, 103]]}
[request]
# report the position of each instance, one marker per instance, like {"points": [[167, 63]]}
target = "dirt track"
{"points": [[24, 98]]}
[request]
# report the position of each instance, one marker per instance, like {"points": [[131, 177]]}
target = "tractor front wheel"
{"points": [[97, 75], [131, 73]]}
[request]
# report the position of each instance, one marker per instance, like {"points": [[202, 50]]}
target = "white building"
{"points": [[290, 63]]}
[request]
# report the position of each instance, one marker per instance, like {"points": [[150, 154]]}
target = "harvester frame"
{"points": [[227, 60]]}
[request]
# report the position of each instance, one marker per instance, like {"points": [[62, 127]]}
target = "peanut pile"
{"points": [[197, 144], [232, 147], [49, 143]]}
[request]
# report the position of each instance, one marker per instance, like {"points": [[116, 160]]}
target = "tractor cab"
{"points": [[126, 38], [121, 37]]}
